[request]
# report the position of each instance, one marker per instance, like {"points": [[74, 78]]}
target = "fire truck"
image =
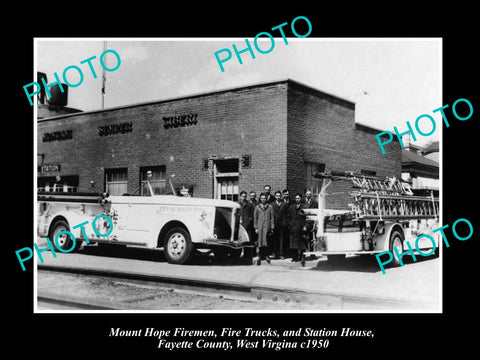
{"points": [[178, 224], [384, 214]]}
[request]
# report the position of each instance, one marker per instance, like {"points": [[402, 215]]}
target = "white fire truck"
{"points": [[384, 214], [179, 225]]}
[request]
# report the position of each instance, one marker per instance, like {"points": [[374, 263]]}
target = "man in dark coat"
{"points": [[254, 202], [296, 223], [270, 197], [286, 198], [286, 236], [253, 198], [310, 203], [246, 213], [280, 211], [264, 224]]}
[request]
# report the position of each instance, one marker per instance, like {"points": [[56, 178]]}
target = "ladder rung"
{"points": [[397, 197], [383, 206]]}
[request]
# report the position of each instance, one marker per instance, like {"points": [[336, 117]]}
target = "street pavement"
{"points": [[358, 276]]}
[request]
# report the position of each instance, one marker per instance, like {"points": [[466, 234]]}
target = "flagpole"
{"points": [[103, 77]]}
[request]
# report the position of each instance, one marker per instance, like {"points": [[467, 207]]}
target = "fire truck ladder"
{"points": [[380, 199], [369, 206]]}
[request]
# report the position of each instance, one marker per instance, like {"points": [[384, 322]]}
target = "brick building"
{"points": [[216, 144]]}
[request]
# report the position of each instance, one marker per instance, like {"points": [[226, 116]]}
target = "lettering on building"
{"points": [[48, 168], [58, 136], [115, 129], [179, 121]]}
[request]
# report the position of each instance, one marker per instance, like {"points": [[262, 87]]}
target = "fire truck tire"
{"points": [[64, 243], [396, 240], [177, 246]]}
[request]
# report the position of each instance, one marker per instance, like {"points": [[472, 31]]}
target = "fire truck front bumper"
{"points": [[211, 242]]}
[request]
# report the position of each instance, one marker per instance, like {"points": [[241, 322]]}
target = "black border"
{"points": [[60, 335]]}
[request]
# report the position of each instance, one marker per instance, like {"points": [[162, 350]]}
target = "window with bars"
{"points": [[226, 177], [116, 181], [228, 188], [311, 182], [158, 180]]}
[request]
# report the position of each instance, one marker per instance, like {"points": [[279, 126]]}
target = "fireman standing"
{"points": [[296, 222], [279, 208], [310, 203], [264, 225]]}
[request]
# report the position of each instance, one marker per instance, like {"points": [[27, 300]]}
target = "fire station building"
{"points": [[215, 144]]}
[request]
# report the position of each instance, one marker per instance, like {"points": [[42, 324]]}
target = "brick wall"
{"points": [[262, 121], [322, 129], [371, 158], [246, 121]]}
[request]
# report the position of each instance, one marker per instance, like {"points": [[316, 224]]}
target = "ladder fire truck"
{"points": [[384, 214]]}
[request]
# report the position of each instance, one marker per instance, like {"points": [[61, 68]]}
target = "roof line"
{"points": [[196, 95]]}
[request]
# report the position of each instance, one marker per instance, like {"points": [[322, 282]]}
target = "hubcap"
{"points": [[176, 245], [63, 238]]}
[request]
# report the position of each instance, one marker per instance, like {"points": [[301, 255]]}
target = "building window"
{"points": [[226, 179], [158, 180], [311, 182], [58, 183], [116, 181], [228, 188]]}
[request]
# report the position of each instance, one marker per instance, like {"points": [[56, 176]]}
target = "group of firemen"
{"points": [[276, 224]]}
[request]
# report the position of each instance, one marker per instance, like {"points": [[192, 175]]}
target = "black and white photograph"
{"points": [[263, 189], [279, 191]]}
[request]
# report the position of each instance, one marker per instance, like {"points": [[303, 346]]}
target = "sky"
{"points": [[391, 81]]}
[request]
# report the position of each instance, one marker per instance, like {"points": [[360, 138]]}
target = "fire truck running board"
{"points": [[353, 252]]}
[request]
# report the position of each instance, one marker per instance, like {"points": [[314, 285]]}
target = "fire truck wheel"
{"points": [[177, 246], [64, 243], [396, 240]]}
